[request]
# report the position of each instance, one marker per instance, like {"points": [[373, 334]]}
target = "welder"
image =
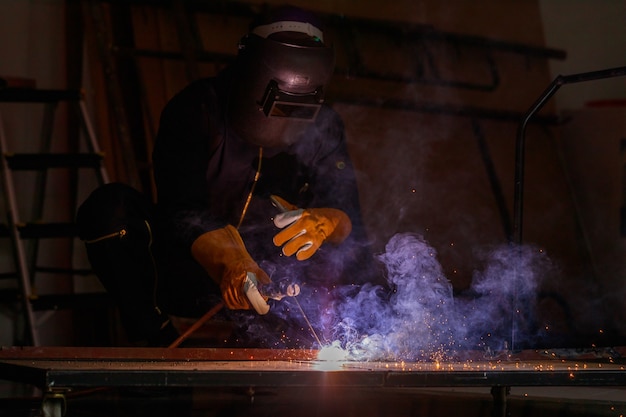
{"points": [[254, 181]]}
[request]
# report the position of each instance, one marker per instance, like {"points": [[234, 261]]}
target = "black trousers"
{"points": [[115, 222]]}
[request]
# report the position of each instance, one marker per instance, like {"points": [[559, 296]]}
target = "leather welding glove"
{"points": [[304, 230], [223, 255]]}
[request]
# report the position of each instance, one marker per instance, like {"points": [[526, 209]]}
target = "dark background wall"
{"points": [[432, 94]]}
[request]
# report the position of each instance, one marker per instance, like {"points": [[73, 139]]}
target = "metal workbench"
{"points": [[57, 370]]}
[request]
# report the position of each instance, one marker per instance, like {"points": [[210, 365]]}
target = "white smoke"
{"points": [[421, 319]]}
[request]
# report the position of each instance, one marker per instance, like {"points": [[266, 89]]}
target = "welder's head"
{"points": [[281, 73]]}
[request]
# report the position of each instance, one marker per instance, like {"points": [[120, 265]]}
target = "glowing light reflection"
{"points": [[331, 357]]}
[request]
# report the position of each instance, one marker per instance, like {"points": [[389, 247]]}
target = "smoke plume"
{"points": [[421, 319]]}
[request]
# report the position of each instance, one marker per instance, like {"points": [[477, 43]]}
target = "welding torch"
{"points": [[262, 307], [257, 300], [258, 296]]}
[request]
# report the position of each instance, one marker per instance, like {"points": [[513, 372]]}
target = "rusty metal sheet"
{"points": [[153, 353], [161, 367], [606, 354]]}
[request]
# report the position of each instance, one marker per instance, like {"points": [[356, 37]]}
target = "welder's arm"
{"points": [[304, 230], [182, 151], [223, 255]]}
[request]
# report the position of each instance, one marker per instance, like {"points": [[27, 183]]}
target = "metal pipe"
{"points": [[518, 203], [518, 198]]}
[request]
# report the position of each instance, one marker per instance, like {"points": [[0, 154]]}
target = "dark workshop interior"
{"points": [[493, 131]]}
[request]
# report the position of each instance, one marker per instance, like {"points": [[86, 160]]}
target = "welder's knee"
{"points": [[114, 224], [113, 208]]}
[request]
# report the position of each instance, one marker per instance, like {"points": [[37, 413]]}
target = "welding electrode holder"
{"points": [[257, 297], [251, 284], [251, 289]]}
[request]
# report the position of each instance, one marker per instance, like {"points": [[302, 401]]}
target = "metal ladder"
{"points": [[25, 236]]}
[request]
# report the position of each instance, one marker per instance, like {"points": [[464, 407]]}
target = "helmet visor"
{"points": [[280, 103]]}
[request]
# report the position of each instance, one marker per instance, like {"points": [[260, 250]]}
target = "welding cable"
{"points": [[220, 305], [155, 273], [257, 175]]}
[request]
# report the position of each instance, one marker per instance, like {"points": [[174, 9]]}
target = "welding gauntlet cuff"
{"points": [[304, 230], [224, 257]]}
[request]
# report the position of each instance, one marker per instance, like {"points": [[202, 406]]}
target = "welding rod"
{"points": [[197, 325], [319, 342], [295, 288]]}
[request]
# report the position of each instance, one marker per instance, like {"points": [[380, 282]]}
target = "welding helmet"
{"points": [[281, 71]]}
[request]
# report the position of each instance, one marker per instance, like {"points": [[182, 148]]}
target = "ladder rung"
{"points": [[71, 301], [47, 230], [65, 271], [32, 95], [51, 270], [78, 301], [41, 161]]}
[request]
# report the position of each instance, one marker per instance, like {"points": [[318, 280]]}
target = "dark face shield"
{"points": [[279, 103], [278, 89]]}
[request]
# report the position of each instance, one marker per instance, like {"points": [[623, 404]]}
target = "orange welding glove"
{"points": [[304, 230], [223, 255]]}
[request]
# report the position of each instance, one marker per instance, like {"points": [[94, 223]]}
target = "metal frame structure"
{"points": [[520, 144]]}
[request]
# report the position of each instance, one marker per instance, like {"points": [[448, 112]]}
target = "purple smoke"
{"points": [[421, 319]]}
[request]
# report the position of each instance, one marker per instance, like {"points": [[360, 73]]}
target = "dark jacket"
{"points": [[204, 173]]}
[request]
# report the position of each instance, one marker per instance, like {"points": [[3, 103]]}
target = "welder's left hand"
{"points": [[304, 230]]}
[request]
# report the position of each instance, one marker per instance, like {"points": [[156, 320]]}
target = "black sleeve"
{"points": [[185, 140]]}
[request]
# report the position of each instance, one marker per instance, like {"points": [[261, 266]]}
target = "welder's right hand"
{"points": [[223, 255]]}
